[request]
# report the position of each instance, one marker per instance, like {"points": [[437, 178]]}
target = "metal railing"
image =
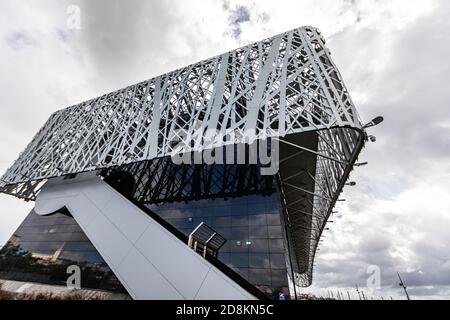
{"points": [[205, 240]]}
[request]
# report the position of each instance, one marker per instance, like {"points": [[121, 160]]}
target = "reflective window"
{"points": [[273, 219], [277, 261], [276, 245], [259, 245], [221, 221], [256, 208], [237, 221], [278, 278], [260, 277], [258, 232], [224, 231], [237, 245], [259, 260], [239, 233], [243, 272], [257, 220], [238, 260], [44, 246], [274, 232], [252, 226], [236, 209]]}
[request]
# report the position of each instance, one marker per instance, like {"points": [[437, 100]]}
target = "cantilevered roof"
{"points": [[277, 88]]}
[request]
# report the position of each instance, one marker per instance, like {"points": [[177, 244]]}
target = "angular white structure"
{"points": [[140, 251], [284, 88]]}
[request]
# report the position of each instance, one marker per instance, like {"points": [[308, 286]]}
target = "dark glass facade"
{"points": [[44, 246], [252, 225], [234, 200]]}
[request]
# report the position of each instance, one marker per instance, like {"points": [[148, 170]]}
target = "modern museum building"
{"points": [[213, 181]]}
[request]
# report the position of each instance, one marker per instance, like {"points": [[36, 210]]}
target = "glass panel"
{"points": [[259, 245], [186, 231], [224, 256], [224, 211], [42, 249], [225, 232], [276, 245], [243, 272], [238, 260], [236, 210], [277, 261], [259, 260], [237, 221], [271, 204], [258, 232], [279, 278], [252, 227], [260, 276], [256, 208], [273, 219], [257, 220], [221, 222], [183, 223], [275, 232], [237, 246], [239, 233]]}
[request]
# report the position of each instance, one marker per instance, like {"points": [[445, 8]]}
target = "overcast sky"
{"points": [[393, 55]]}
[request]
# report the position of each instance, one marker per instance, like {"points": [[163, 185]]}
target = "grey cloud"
{"points": [[374, 242], [64, 35], [133, 41], [237, 16], [408, 89], [116, 39], [20, 39]]}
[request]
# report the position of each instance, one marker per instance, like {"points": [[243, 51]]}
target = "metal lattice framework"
{"points": [[162, 181], [276, 88], [310, 193]]}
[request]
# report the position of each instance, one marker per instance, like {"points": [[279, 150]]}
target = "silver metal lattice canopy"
{"points": [[285, 88]]}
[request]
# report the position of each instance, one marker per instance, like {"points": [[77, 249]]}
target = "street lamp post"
{"points": [[401, 284]]}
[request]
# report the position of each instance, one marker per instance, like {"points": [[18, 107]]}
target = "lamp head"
{"points": [[374, 122]]}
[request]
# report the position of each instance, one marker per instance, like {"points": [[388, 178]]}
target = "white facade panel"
{"points": [[149, 261]]}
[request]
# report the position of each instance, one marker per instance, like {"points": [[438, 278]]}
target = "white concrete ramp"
{"points": [[150, 262]]}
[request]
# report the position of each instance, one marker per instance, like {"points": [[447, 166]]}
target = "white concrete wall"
{"points": [[150, 262]]}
